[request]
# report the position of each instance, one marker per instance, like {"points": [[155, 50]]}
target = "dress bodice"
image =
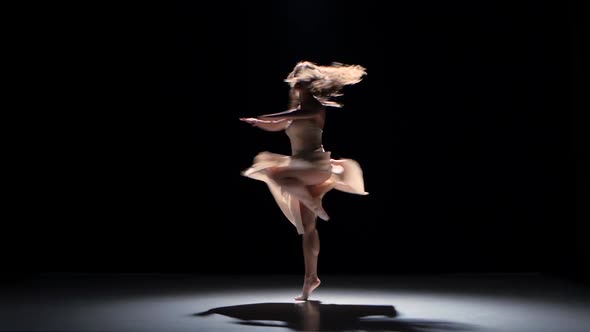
{"points": [[305, 136]]}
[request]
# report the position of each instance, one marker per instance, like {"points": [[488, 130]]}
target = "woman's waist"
{"points": [[311, 154]]}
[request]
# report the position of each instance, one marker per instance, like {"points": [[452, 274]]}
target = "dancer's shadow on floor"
{"points": [[315, 316]]}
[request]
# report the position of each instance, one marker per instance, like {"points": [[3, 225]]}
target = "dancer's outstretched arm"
{"points": [[293, 114], [268, 125]]}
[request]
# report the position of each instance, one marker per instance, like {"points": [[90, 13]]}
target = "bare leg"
{"points": [[298, 183], [311, 250]]}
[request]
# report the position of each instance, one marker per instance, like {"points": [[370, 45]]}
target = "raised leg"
{"points": [[299, 182]]}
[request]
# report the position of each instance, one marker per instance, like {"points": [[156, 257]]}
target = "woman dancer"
{"points": [[299, 182]]}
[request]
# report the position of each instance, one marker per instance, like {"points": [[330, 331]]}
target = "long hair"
{"points": [[325, 82]]}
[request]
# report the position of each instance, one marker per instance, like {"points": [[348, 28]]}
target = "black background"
{"points": [[468, 127]]}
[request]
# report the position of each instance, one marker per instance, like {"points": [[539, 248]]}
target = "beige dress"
{"points": [[308, 153]]}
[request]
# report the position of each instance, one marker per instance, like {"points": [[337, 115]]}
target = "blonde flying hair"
{"points": [[325, 82]]}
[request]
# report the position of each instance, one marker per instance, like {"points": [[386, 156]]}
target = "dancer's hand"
{"points": [[251, 121]]}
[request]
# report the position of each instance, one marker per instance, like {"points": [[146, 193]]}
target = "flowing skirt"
{"points": [[346, 176]]}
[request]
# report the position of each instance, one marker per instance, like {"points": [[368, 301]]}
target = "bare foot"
{"points": [[309, 286]]}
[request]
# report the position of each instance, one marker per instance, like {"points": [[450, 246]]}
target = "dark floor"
{"points": [[515, 303]]}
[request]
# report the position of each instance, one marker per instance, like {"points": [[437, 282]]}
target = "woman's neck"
{"points": [[307, 98]]}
